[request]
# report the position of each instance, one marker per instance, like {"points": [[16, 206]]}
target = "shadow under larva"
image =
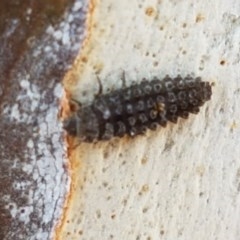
{"points": [[132, 110]]}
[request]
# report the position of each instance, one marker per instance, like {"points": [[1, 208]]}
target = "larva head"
{"points": [[82, 124], [70, 125]]}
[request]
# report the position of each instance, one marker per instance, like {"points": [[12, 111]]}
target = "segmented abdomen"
{"points": [[135, 109]]}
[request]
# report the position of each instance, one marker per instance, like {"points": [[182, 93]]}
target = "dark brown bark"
{"points": [[38, 42]]}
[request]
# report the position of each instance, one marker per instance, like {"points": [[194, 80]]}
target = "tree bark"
{"points": [[180, 182], [39, 40]]}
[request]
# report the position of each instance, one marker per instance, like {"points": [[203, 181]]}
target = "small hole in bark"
{"points": [[222, 62]]}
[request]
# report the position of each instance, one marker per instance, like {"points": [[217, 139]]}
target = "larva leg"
{"points": [[74, 104], [100, 90], [74, 101], [76, 145], [123, 78]]}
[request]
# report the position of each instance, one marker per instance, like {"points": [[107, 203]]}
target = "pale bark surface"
{"points": [[181, 182], [38, 42]]}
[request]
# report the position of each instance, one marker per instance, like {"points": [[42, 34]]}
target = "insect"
{"points": [[132, 110]]}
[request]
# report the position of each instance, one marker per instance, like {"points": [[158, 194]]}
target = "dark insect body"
{"points": [[135, 109]]}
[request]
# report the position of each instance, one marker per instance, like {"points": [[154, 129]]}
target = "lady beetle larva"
{"points": [[132, 110]]}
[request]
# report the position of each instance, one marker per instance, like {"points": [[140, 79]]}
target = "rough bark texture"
{"points": [[181, 182], [39, 40]]}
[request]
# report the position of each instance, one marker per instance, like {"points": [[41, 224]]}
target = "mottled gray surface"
{"points": [[38, 40]]}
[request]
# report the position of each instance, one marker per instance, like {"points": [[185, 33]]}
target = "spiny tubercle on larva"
{"points": [[135, 109]]}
